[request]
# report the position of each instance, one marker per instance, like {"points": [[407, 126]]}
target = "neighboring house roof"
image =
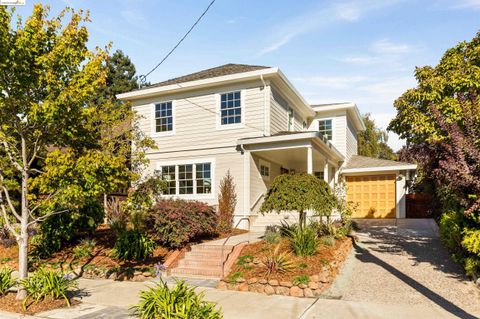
{"points": [[225, 69], [358, 163]]}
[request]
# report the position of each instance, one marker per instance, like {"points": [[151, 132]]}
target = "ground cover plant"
{"points": [[180, 301]]}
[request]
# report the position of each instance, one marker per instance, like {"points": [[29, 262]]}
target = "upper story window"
{"points": [[163, 117], [291, 119], [325, 127], [230, 108], [168, 175]]}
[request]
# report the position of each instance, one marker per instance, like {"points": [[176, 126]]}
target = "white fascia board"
{"points": [[307, 108], [349, 106], [196, 84], [379, 169]]}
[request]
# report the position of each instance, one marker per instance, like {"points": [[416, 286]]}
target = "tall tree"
{"points": [[64, 147], [373, 141]]}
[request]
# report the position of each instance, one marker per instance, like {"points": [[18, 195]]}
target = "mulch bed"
{"points": [[326, 256], [101, 255], [10, 304]]}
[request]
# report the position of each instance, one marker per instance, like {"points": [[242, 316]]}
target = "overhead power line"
{"points": [[143, 78]]}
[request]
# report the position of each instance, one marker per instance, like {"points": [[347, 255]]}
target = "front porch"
{"points": [[267, 157]]}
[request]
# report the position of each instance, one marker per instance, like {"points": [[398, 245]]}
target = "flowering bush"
{"points": [[178, 221]]}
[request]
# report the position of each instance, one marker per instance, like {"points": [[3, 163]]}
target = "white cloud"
{"points": [[467, 4], [385, 46], [332, 82], [349, 11], [134, 17]]}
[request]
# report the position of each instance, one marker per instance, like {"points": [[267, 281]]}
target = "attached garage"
{"points": [[376, 188], [373, 196]]}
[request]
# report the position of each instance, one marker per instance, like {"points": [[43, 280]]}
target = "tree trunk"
{"points": [[23, 238], [303, 219]]}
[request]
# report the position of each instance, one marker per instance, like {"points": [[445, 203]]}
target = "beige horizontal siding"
{"points": [[195, 119], [339, 128], [352, 142]]}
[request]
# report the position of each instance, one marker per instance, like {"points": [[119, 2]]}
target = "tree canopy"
{"points": [[373, 141], [299, 192], [61, 144]]}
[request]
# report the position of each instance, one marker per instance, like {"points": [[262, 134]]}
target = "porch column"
{"points": [[246, 183], [309, 160], [325, 171]]}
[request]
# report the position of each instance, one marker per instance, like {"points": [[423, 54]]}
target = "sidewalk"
{"points": [[111, 299]]}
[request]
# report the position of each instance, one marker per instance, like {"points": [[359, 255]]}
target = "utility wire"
{"points": [[143, 78]]}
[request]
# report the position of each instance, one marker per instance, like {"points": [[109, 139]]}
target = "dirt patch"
{"points": [[10, 304]]}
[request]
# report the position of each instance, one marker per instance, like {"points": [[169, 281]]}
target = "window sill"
{"points": [[160, 134], [191, 196], [223, 127]]}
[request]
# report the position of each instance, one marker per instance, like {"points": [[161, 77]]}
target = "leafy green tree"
{"points": [[300, 193], [373, 141], [64, 147], [440, 119]]}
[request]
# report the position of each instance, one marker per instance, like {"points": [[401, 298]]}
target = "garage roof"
{"points": [[358, 163]]}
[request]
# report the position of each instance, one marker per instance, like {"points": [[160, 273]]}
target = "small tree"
{"points": [[227, 200], [299, 192]]}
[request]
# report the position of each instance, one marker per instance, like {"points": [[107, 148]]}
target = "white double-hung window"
{"points": [[326, 128], [164, 117], [230, 110], [188, 179]]}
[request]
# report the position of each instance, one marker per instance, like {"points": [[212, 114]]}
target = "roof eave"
{"points": [[153, 91], [373, 169], [349, 107]]}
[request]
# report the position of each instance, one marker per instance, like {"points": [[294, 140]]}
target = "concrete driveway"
{"points": [[403, 263]]}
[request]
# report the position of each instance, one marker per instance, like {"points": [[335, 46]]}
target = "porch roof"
{"points": [[285, 140], [361, 164]]}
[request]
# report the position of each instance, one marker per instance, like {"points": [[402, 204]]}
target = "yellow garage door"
{"points": [[373, 196]]}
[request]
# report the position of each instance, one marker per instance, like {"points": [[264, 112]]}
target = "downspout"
{"points": [[265, 110]]}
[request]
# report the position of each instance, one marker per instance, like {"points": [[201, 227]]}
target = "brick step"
{"points": [[212, 272], [188, 262], [217, 254], [210, 247]]}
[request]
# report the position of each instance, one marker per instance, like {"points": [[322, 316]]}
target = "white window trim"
{"points": [[193, 162], [266, 164], [333, 126], [218, 112], [153, 122]]}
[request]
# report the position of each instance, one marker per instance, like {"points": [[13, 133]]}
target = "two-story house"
{"points": [[252, 121]]}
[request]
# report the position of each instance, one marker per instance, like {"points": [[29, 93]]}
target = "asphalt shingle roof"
{"points": [[222, 70], [358, 161]]}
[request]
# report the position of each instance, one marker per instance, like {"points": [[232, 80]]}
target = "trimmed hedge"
{"points": [[178, 222]]}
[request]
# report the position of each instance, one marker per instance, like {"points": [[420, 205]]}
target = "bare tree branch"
{"points": [[10, 156], [40, 219], [35, 151], [7, 221], [7, 196]]}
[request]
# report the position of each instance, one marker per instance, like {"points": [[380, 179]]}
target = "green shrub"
{"points": [[235, 276], [471, 241], [302, 279], [304, 241], [6, 281], [471, 266], [178, 222], [286, 230], [450, 227], [62, 228], [132, 244], [327, 240], [179, 302], [84, 248], [302, 266], [245, 259], [277, 262], [48, 283], [271, 237]]}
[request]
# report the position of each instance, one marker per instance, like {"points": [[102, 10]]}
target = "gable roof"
{"points": [[358, 163], [222, 70]]}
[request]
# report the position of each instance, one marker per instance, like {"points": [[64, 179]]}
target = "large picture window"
{"points": [[325, 127], [230, 108], [188, 179], [163, 117]]}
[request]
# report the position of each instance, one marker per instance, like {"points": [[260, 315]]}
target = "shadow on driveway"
{"points": [[365, 256]]}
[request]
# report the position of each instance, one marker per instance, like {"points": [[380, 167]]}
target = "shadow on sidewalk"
{"points": [[364, 255]]}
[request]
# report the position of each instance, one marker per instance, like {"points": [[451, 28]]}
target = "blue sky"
{"points": [[362, 51]]}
